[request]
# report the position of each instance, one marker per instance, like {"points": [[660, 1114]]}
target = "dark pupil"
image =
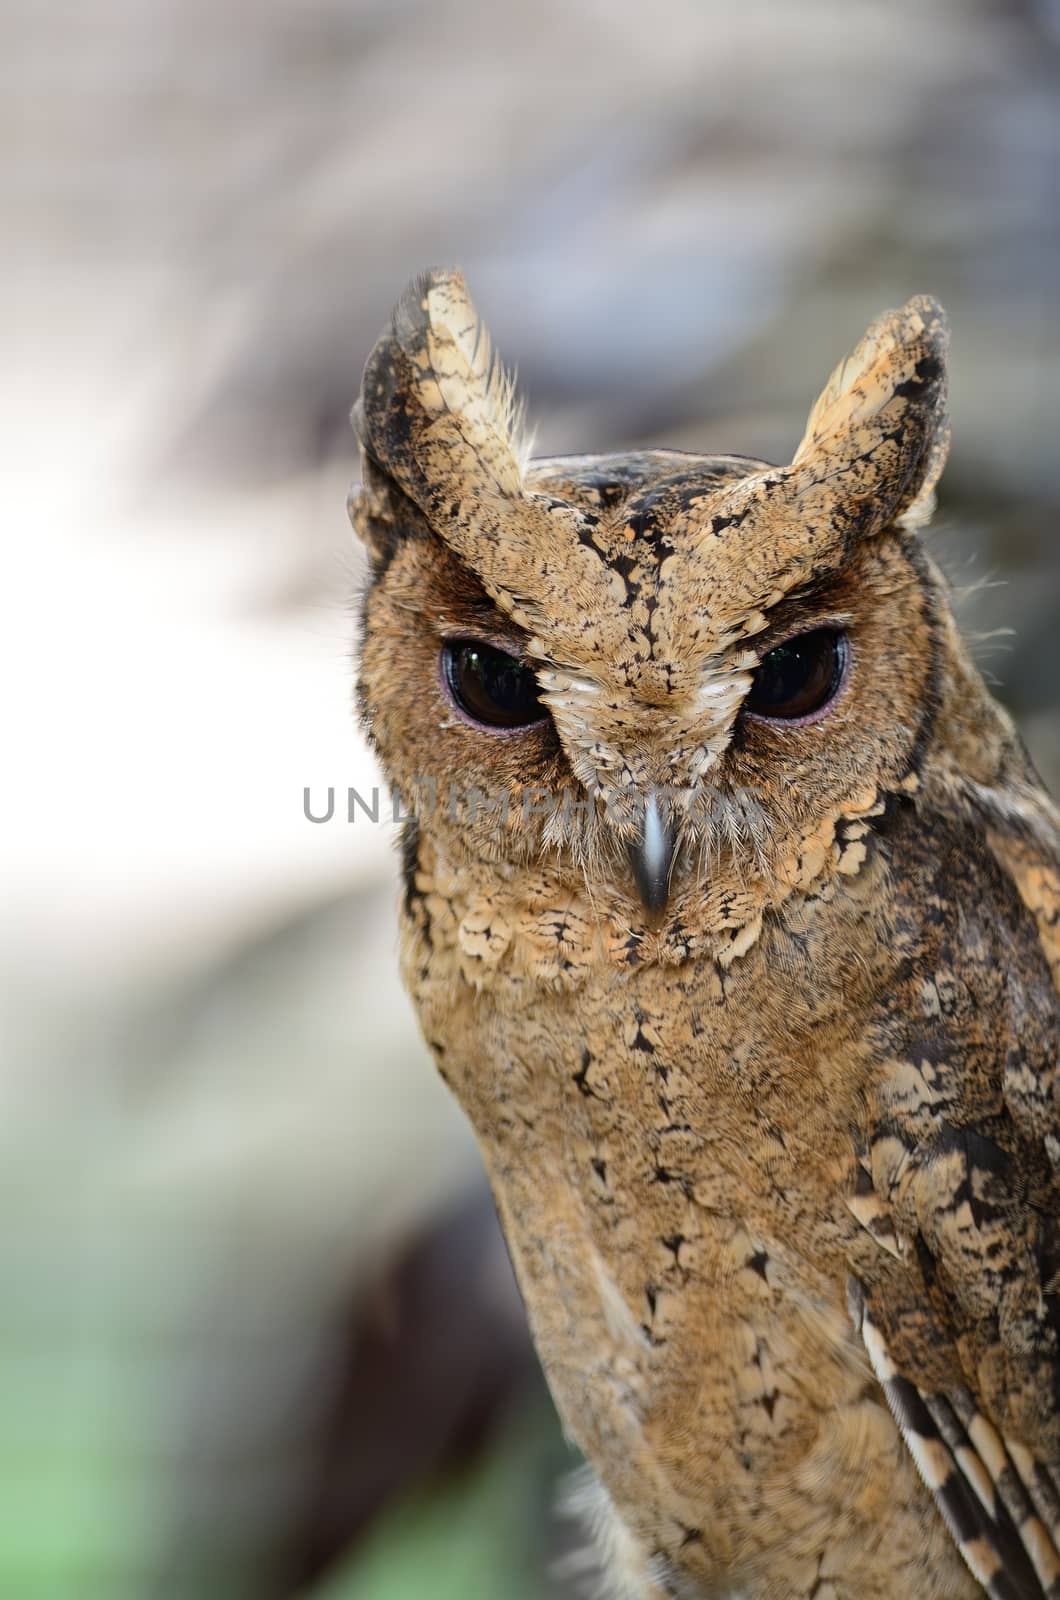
{"points": [[798, 677], [491, 686]]}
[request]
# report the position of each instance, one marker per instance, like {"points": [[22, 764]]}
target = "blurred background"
{"points": [[258, 1337]]}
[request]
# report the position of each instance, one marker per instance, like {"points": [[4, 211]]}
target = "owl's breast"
{"points": [[671, 1147]]}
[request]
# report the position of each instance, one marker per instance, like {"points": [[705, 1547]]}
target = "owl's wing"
{"points": [[997, 1497], [960, 1185]]}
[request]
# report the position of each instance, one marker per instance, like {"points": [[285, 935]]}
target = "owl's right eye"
{"points": [[489, 686]]}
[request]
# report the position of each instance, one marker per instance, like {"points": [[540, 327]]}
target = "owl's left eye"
{"points": [[799, 679], [491, 687]]}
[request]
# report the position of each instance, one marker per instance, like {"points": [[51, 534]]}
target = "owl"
{"points": [[731, 915]]}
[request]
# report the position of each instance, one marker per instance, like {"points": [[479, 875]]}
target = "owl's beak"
{"points": [[652, 856]]}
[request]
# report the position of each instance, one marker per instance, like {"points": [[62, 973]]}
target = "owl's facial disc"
{"points": [[645, 763]]}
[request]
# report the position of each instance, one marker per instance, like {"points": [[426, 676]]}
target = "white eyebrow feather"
{"points": [[567, 683], [720, 691]]}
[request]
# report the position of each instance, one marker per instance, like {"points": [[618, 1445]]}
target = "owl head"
{"points": [[651, 672]]}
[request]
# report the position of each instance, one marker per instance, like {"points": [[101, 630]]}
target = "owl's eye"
{"points": [[800, 677], [490, 686]]}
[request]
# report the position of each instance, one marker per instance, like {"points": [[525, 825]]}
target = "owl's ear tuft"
{"points": [[439, 424], [380, 513], [879, 430], [437, 411]]}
